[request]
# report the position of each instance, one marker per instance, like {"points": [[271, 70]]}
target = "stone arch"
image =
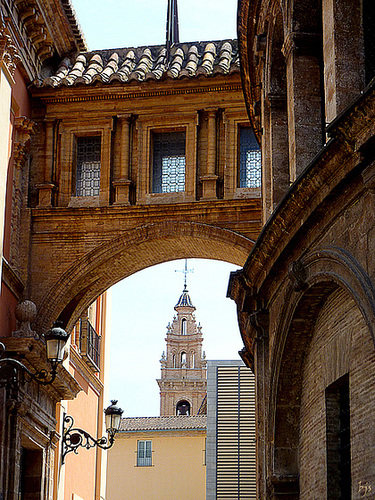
{"points": [[321, 273], [134, 250]]}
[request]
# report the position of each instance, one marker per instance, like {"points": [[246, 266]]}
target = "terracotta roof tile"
{"points": [[178, 422], [147, 63]]}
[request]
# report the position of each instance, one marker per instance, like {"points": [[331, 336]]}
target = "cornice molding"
{"points": [[100, 96]]}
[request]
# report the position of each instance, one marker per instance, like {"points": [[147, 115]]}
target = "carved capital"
{"points": [[297, 274]]}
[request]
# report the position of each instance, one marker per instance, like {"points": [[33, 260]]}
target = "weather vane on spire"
{"points": [[185, 271]]}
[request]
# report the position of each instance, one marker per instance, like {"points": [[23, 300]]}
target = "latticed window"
{"points": [[168, 165], [250, 171], [88, 166], [144, 454]]}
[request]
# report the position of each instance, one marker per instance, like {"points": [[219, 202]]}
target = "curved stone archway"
{"points": [[323, 273], [136, 249]]}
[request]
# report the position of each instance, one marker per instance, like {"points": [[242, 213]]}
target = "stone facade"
{"points": [[131, 226], [306, 294]]}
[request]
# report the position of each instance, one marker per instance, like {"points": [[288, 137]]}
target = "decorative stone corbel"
{"points": [[259, 321], [297, 274]]}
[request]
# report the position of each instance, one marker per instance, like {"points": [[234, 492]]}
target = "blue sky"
{"points": [[143, 303], [122, 23]]}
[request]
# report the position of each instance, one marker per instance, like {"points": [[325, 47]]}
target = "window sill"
{"points": [[165, 198], [83, 201], [247, 193]]}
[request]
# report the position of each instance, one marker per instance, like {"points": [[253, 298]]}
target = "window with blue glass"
{"points": [[88, 166], [250, 160], [168, 162]]}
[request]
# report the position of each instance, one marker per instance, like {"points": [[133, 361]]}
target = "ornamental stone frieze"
{"points": [[24, 129], [9, 55]]}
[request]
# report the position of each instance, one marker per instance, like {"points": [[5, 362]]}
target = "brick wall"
{"points": [[340, 344]]}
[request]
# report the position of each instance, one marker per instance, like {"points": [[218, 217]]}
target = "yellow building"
{"points": [[159, 458]]}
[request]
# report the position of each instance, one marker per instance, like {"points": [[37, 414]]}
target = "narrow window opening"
{"points": [[338, 440], [183, 327], [168, 165], [88, 166], [144, 454], [183, 359], [249, 159]]}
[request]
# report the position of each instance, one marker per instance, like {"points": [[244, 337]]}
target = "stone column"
{"points": [[24, 128], [210, 177], [343, 55], [46, 189], [302, 52], [122, 185]]}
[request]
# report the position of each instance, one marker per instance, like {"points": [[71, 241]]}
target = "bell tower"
{"points": [[183, 382]]}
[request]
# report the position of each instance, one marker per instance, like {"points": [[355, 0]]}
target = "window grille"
{"points": [[144, 454], [250, 167], [88, 166], [168, 167]]}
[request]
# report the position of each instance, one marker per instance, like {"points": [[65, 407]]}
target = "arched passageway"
{"points": [[85, 279]]}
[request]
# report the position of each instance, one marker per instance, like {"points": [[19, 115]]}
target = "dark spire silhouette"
{"points": [[172, 35]]}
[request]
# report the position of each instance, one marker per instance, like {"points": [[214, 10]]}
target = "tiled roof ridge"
{"points": [[165, 422], [165, 417], [187, 59]]}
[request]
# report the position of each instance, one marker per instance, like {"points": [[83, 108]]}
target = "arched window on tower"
{"points": [[174, 360], [183, 327], [183, 408], [183, 359]]}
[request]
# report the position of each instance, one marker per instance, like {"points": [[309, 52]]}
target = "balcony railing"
{"points": [[89, 344]]}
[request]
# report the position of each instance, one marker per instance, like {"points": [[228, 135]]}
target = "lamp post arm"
{"points": [[42, 377], [74, 438]]}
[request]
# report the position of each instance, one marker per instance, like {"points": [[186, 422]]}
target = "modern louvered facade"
{"points": [[230, 431]]}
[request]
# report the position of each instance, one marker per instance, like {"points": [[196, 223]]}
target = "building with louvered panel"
{"points": [[230, 466]]}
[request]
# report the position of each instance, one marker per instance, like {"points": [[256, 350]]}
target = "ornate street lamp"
{"points": [[11, 369], [74, 438]]}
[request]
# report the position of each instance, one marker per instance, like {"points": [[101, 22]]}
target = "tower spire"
{"points": [[185, 271], [172, 35]]}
